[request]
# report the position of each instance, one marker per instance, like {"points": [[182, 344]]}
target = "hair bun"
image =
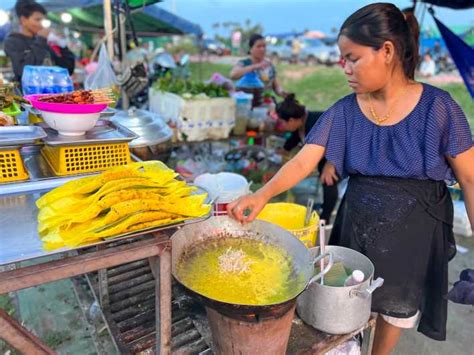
{"points": [[290, 97]]}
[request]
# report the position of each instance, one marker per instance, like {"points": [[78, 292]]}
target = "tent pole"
{"points": [[108, 28], [123, 50]]}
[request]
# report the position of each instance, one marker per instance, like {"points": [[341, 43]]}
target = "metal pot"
{"points": [[154, 142], [225, 227], [340, 310]]}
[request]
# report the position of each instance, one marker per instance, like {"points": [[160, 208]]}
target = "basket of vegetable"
{"points": [[200, 110]]}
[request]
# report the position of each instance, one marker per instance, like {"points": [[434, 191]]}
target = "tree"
{"points": [[246, 29]]}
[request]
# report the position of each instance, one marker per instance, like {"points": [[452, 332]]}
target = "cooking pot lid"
{"points": [[150, 127]]}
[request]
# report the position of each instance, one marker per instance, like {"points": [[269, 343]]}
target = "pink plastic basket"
{"points": [[63, 108]]}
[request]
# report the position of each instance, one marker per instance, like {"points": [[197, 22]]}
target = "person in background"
{"points": [[427, 66], [399, 141], [293, 117], [258, 63], [295, 50], [34, 44]]}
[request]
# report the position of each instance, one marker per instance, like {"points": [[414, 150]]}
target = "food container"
{"points": [[292, 217], [251, 84], [223, 188], [154, 135], [340, 310], [242, 111], [258, 117], [70, 124], [63, 108]]}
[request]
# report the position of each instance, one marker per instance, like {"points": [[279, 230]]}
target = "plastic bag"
{"points": [[104, 76], [221, 80]]}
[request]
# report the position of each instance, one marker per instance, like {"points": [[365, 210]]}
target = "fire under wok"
{"points": [[188, 242]]}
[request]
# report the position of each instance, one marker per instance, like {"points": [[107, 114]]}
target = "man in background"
{"points": [[34, 44]]}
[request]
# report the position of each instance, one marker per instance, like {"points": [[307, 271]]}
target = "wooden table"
{"points": [[304, 339], [19, 242]]}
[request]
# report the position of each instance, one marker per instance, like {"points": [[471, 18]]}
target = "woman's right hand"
{"points": [[246, 208]]}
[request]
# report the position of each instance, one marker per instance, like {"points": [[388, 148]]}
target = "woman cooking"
{"points": [[398, 140], [258, 63]]}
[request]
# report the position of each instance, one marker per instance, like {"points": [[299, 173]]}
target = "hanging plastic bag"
{"points": [[103, 76]]}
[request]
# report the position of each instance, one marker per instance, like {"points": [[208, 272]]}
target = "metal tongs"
{"points": [[309, 211], [322, 244]]}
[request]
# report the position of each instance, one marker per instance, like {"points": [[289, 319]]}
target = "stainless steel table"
{"points": [[19, 241]]}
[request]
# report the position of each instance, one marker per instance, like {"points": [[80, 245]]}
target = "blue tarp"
{"points": [[181, 24], [453, 4], [462, 54], [154, 11]]}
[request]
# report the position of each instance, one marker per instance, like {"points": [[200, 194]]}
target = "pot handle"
{"points": [[325, 270], [368, 291]]}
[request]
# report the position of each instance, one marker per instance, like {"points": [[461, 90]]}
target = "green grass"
{"points": [[319, 87], [6, 304], [462, 97], [317, 90]]}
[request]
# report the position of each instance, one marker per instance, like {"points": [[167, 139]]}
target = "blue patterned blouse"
{"points": [[416, 147]]}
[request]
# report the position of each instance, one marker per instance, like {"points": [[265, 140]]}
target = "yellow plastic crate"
{"points": [[11, 166], [72, 160]]}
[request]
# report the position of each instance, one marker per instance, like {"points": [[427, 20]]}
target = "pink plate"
{"points": [[63, 108]]}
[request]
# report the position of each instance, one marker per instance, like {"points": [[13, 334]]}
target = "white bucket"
{"points": [[223, 188]]}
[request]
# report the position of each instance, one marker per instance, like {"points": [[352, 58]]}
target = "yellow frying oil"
{"points": [[269, 277]]}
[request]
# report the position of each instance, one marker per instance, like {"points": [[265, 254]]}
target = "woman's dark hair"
{"points": [[290, 108], [374, 24], [254, 37], [26, 8]]}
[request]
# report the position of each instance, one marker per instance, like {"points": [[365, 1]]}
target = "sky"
{"points": [[280, 16]]}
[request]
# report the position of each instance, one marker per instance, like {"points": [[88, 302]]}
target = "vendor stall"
{"points": [[79, 195]]}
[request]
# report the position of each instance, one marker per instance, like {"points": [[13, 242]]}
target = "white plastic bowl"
{"points": [[70, 124]]}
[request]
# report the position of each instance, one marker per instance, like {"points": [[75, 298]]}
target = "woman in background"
{"points": [[258, 63], [294, 118]]}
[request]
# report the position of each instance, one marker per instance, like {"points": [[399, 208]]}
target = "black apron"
{"points": [[404, 226]]}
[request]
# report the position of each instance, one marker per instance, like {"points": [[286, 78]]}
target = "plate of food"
{"points": [[76, 102], [74, 113]]}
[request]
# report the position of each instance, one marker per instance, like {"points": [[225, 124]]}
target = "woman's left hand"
{"points": [[329, 175]]}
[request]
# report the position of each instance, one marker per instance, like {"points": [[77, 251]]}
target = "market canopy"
{"points": [[149, 19]]}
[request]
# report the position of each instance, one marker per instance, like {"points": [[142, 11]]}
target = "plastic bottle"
{"points": [[355, 278], [47, 80], [62, 81], [30, 80]]}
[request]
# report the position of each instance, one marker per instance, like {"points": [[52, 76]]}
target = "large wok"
{"points": [[225, 227]]}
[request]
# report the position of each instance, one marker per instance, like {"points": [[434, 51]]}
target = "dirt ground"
{"points": [[460, 328]]}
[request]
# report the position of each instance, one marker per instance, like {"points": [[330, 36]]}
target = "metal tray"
{"points": [[104, 132], [20, 240], [20, 135]]}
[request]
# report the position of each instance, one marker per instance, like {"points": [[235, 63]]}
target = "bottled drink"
{"points": [[62, 80], [30, 80], [355, 278], [47, 80]]}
